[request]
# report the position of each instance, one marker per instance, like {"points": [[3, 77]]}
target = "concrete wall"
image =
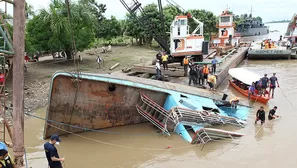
{"points": [[232, 62], [96, 107]]}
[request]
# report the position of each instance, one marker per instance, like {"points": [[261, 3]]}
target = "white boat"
{"points": [[247, 78]]}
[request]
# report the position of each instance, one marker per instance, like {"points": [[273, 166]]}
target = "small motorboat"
{"points": [[242, 79]]}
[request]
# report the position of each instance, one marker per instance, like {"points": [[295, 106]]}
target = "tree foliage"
{"points": [[50, 30], [109, 28], [208, 19]]}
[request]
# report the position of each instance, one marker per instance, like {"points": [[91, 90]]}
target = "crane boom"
{"points": [[147, 24]]}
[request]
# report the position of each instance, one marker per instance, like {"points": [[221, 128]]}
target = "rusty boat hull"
{"points": [[79, 102]]}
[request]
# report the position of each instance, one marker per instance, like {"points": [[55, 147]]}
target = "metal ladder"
{"points": [[154, 113], [195, 116], [4, 121], [5, 37]]}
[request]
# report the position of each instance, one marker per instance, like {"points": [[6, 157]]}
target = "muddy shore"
{"points": [[38, 76]]}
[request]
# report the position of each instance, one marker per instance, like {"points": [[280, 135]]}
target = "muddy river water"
{"points": [[274, 145]]}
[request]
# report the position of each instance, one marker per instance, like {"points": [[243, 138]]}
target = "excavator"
{"points": [[181, 42]]}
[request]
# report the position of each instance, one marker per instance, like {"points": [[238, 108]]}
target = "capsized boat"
{"points": [[243, 79], [96, 101]]}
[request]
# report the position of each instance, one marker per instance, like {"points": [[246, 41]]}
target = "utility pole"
{"points": [[18, 80]]}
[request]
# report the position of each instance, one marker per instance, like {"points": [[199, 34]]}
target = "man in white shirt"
{"points": [[158, 69]]}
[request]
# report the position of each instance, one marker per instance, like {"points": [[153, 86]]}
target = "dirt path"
{"points": [[38, 76]]}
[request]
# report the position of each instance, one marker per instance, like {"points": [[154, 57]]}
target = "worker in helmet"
{"points": [[234, 102]]}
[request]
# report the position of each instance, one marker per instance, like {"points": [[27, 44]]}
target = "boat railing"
{"points": [[203, 136], [154, 121], [203, 116], [156, 106]]}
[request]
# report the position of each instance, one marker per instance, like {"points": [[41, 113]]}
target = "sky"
{"points": [[267, 9]]}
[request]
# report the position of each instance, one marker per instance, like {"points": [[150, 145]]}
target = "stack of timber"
{"points": [[172, 70]]}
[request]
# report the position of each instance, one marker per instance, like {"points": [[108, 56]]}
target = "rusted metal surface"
{"points": [[96, 107]]}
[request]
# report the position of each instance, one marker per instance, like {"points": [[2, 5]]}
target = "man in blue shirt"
{"points": [[214, 65], [54, 161]]}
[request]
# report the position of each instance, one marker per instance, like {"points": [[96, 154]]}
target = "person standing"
{"points": [[165, 61], [264, 84], [158, 69], [212, 81], [200, 75], [214, 62], [273, 80], [54, 161], [192, 75], [260, 115], [271, 115], [186, 64], [99, 61], [205, 73], [251, 90]]}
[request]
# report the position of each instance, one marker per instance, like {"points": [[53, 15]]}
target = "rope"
{"points": [[116, 145], [286, 97], [76, 64], [88, 129], [26, 158]]}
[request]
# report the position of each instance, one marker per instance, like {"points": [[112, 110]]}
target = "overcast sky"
{"points": [[267, 9]]}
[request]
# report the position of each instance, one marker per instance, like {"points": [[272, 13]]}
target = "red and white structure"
{"points": [[292, 30], [226, 30], [183, 43]]}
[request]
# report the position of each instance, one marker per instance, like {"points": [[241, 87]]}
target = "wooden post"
{"points": [[18, 81]]}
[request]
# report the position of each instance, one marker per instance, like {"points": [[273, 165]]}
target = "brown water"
{"points": [[274, 145]]}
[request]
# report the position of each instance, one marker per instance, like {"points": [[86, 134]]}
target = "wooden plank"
{"points": [[152, 70]]}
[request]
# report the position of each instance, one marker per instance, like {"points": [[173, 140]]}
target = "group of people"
{"points": [[263, 84], [200, 74], [268, 43], [260, 115]]}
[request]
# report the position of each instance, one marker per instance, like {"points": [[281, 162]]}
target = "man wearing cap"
{"points": [[271, 114], [54, 161], [5, 159]]}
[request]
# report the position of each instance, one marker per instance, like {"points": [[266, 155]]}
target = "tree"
{"points": [[110, 28], [29, 10], [51, 30], [133, 27]]}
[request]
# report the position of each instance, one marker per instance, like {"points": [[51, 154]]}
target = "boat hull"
{"points": [[253, 97], [269, 54], [254, 32]]}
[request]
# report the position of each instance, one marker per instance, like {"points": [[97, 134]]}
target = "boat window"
{"points": [[111, 87], [225, 19], [183, 22], [210, 109]]}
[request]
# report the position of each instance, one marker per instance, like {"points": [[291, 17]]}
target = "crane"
{"points": [[159, 37]]}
